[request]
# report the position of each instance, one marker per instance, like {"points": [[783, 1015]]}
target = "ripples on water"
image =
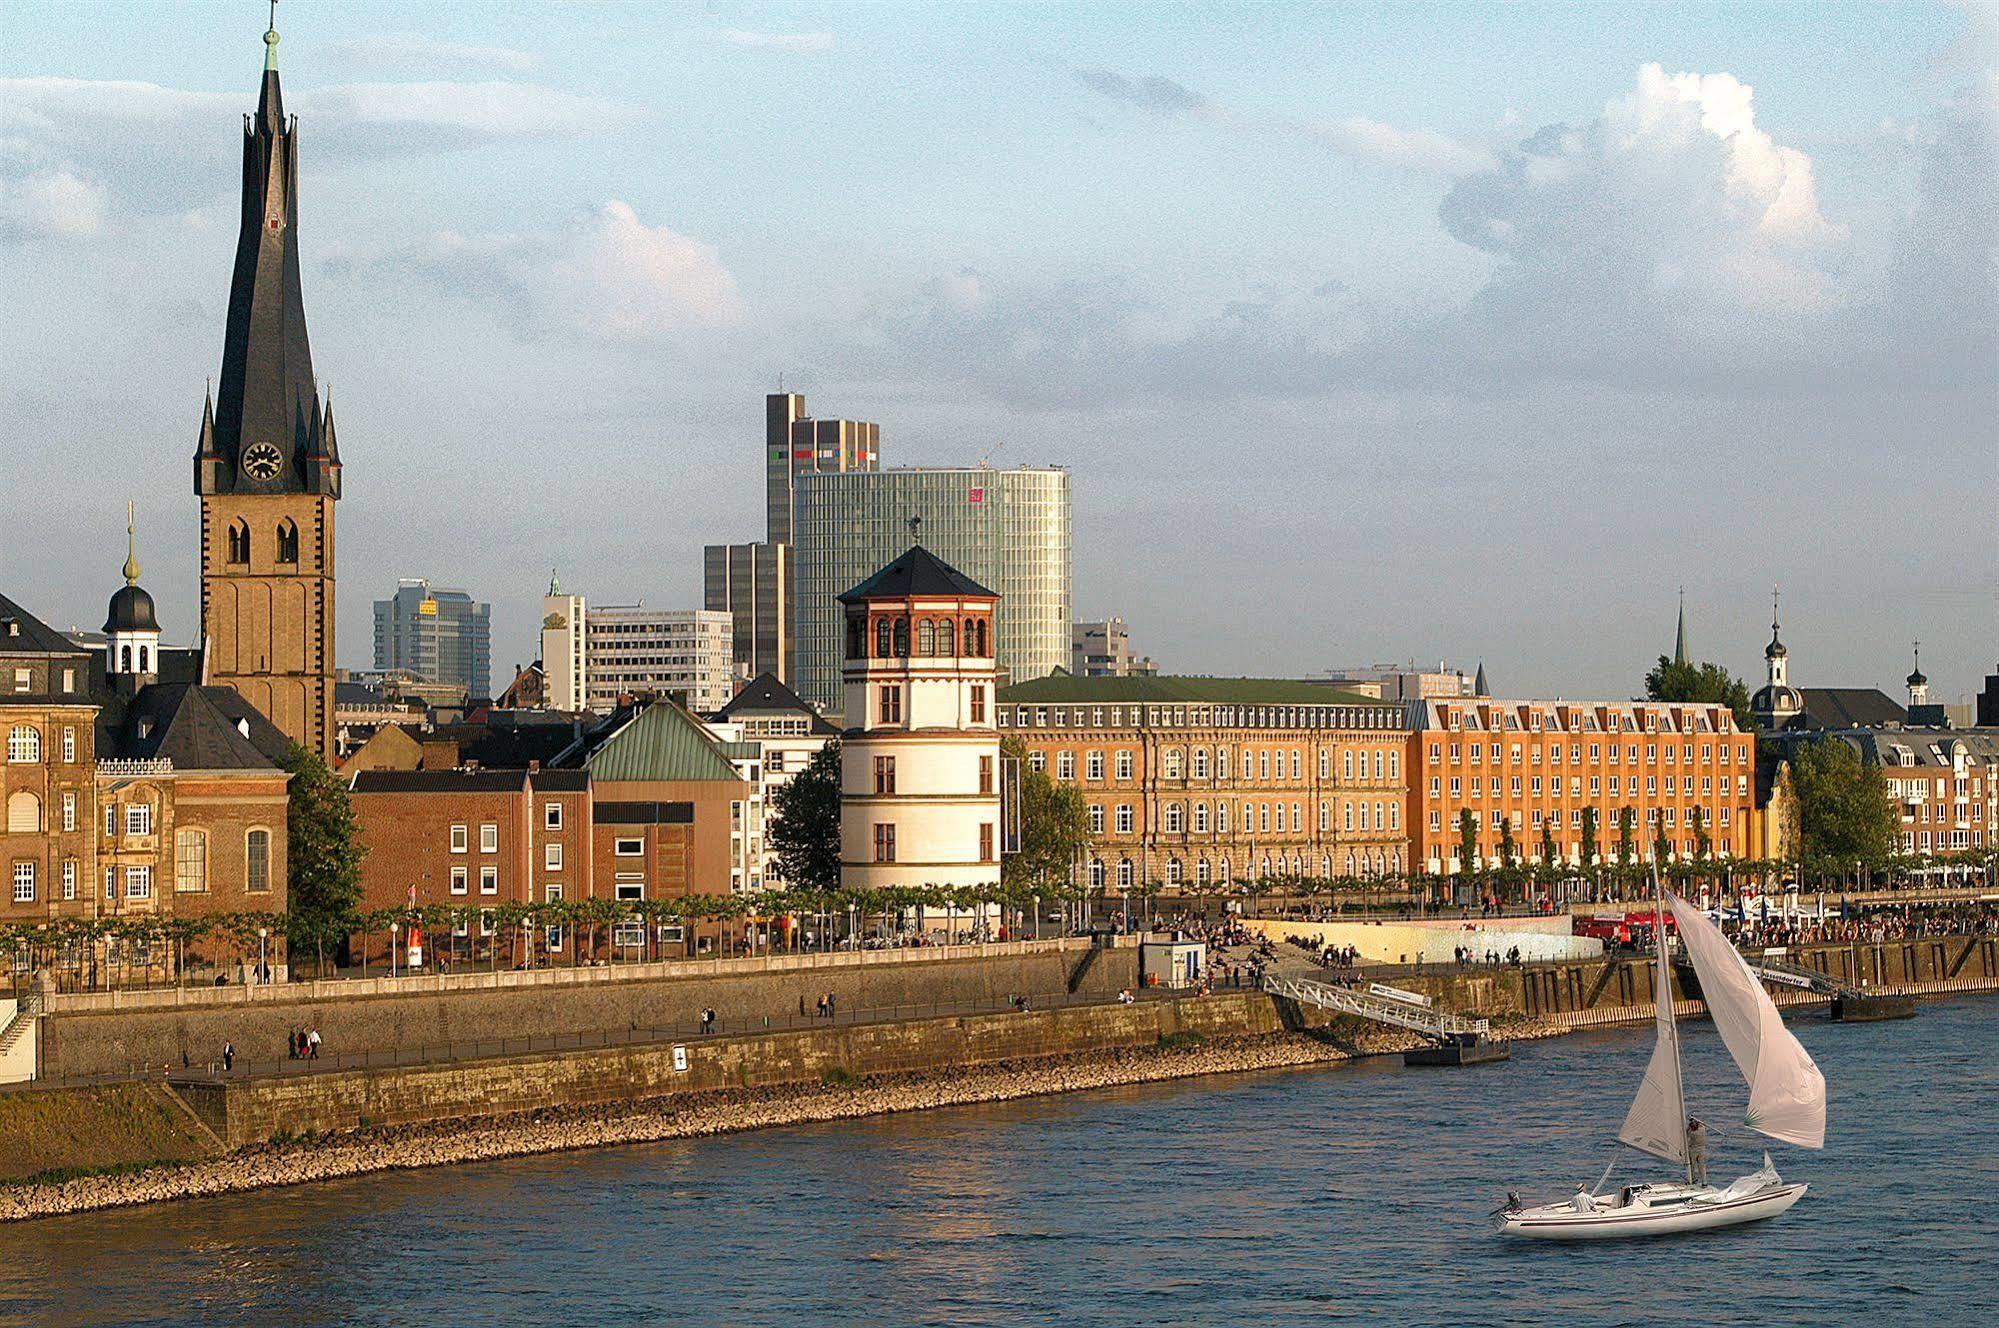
{"points": [[1348, 1194]]}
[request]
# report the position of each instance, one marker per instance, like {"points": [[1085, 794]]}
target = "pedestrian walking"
{"points": [[312, 1045], [832, 1011], [228, 1057]]}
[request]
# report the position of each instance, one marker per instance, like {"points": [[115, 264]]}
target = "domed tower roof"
{"points": [[131, 607], [1916, 679], [1775, 650]]}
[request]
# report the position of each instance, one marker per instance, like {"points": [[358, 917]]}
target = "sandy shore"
{"points": [[691, 1116]]}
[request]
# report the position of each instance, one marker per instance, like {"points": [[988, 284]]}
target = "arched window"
{"points": [[947, 639], [1202, 872], [883, 636], [926, 639], [239, 542], [145, 661], [190, 861], [1173, 871], [124, 659], [24, 813], [1173, 818], [287, 541], [982, 652], [1172, 763], [902, 638], [24, 743], [257, 861]]}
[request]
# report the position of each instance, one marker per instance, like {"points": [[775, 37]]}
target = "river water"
{"points": [[1354, 1193]]}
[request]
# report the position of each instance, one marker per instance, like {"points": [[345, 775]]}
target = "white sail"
{"points": [[1657, 1121], [1786, 1090]]}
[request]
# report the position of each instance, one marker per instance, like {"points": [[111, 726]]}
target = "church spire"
{"points": [[267, 421], [1680, 636]]}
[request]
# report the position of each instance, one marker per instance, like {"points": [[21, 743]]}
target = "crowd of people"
{"points": [[1895, 922]]}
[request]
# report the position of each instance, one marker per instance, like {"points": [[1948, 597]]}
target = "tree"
{"points": [[1467, 840], [1627, 835], [1589, 837], [1054, 828], [1703, 842], [1701, 682], [805, 833], [323, 854], [1845, 815], [1550, 855]]}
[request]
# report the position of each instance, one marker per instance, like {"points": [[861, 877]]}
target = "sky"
{"points": [[1369, 333]]}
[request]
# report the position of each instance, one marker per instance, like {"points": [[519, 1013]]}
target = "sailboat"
{"points": [[1786, 1102]]}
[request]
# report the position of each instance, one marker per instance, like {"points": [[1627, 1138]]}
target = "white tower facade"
{"points": [[920, 757], [565, 664]]}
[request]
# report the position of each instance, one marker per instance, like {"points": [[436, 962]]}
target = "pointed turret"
{"points": [[1919, 686], [208, 460], [1479, 688], [267, 416], [1680, 635]]}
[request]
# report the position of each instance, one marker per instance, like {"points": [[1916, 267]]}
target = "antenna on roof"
{"points": [[915, 529]]}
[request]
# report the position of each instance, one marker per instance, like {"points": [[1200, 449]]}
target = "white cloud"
{"points": [[413, 51], [606, 274], [778, 41], [1409, 149], [53, 204]]}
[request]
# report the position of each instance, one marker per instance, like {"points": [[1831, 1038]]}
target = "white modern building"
{"points": [[919, 760], [595, 655], [769, 735]]}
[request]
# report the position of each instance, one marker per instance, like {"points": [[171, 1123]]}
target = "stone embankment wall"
{"points": [[250, 1111], [98, 1040]]}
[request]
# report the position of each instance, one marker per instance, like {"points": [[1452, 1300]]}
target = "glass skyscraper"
{"points": [[1006, 529], [440, 635]]}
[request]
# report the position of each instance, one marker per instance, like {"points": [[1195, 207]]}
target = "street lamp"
{"points": [[395, 930], [263, 968]]}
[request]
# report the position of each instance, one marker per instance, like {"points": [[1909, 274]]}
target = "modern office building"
{"points": [[752, 582], [1103, 650], [564, 650], [439, 634], [632, 650], [1007, 529], [1405, 682]]}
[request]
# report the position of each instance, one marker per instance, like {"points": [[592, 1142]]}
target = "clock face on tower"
{"points": [[262, 461]]}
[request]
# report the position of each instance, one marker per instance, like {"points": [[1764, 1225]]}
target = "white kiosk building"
{"points": [[920, 757]]}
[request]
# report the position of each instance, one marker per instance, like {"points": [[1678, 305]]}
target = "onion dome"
{"points": [[131, 607]]}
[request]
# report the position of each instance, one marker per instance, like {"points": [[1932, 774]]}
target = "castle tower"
{"points": [[266, 467], [131, 629], [919, 764]]}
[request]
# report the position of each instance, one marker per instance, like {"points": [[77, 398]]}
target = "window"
{"points": [[1221, 818], [1325, 764], [1124, 765], [1200, 763], [489, 838], [1065, 765], [1093, 766], [139, 818], [68, 812], [947, 638], [882, 638], [190, 862], [1172, 763], [551, 816], [889, 705], [110, 821], [459, 880], [257, 861], [1173, 818], [978, 703], [1325, 817], [628, 848], [138, 883], [69, 744], [1123, 818], [24, 882], [69, 878], [926, 639], [1263, 765], [287, 541], [489, 880], [884, 841], [1221, 763], [24, 813], [24, 743], [1124, 874], [884, 774], [1200, 818], [630, 885], [551, 857], [985, 774], [458, 840], [1096, 875], [1096, 818], [1297, 764], [985, 841], [239, 542]]}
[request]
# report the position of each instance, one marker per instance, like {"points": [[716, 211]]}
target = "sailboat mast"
{"points": [[1664, 985]]}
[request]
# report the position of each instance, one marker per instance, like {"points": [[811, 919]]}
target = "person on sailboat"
{"points": [[1696, 1151], [1582, 1200]]}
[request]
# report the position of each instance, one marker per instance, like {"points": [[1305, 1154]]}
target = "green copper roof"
{"points": [[660, 742], [1067, 688]]}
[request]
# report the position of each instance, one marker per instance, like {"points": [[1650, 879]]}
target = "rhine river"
{"points": [[1351, 1193]]}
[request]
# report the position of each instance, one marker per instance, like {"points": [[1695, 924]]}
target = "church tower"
{"points": [[266, 466]]}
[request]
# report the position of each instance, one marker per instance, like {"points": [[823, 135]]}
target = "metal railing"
{"points": [[1437, 1024]]}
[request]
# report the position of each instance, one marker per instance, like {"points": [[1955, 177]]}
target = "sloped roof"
{"points": [[653, 740], [644, 813], [22, 633], [197, 728], [440, 781], [765, 695], [1849, 708], [917, 572], [1068, 688]]}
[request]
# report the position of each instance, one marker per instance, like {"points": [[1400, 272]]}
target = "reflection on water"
{"points": [[1355, 1193]]}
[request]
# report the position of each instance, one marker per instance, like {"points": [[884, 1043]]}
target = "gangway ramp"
{"points": [[1458, 1040], [1850, 1004]]}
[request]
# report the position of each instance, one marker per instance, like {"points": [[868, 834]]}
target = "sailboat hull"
{"points": [[1652, 1211]]}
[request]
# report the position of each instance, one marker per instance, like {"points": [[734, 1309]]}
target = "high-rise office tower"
{"points": [[1007, 529], [439, 634], [752, 582]]}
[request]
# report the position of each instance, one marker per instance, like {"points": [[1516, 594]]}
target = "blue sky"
{"points": [[1369, 332]]}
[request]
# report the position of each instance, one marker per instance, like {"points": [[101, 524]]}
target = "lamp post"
{"points": [[263, 968], [395, 931]]}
